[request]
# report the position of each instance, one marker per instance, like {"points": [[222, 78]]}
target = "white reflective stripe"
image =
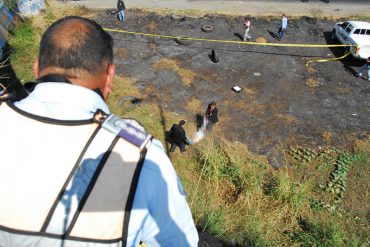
{"points": [[31, 178], [79, 183], [21, 239]]}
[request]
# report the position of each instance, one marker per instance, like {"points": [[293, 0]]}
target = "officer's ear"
{"points": [[35, 68], [108, 87]]}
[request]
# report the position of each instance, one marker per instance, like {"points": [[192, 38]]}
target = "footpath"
{"points": [[312, 8]]}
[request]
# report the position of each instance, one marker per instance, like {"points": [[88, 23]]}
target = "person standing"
{"points": [[121, 10], [178, 137], [211, 115], [72, 173], [283, 26], [363, 68], [247, 25]]}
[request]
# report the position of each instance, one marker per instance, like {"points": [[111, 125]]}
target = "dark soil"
{"points": [[282, 103]]}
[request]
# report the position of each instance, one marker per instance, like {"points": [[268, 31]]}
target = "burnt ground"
{"points": [[283, 102]]}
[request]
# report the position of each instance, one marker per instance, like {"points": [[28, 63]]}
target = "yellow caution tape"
{"points": [[327, 60], [241, 43], [225, 41]]}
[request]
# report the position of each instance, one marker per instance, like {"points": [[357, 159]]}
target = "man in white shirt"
{"points": [[75, 73], [283, 26], [247, 25]]}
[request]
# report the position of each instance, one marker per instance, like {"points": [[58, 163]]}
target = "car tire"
{"points": [[207, 28], [182, 41]]}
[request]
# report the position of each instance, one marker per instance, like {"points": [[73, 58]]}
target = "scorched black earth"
{"points": [[282, 103]]}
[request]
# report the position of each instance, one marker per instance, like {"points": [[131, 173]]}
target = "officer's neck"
{"points": [[75, 76]]}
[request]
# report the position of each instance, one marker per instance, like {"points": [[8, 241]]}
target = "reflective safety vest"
{"points": [[67, 183]]}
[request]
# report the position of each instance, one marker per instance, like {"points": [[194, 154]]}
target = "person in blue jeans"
{"points": [[121, 10], [282, 27], [363, 68]]}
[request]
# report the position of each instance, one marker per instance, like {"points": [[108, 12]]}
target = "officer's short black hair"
{"points": [[75, 43], [182, 122]]}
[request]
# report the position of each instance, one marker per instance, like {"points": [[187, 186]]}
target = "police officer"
{"points": [[71, 173], [178, 137]]}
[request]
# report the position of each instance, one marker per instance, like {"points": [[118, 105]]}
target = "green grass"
{"points": [[24, 46], [316, 234], [11, 4]]}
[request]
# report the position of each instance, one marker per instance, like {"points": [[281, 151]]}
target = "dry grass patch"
{"points": [[361, 145], [311, 69], [187, 76], [151, 90], [152, 26], [312, 83], [327, 137], [120, 52], [209, 75], [39, 22], [258, 109], [194, 105], [249, 93], [341, 90], [261, 40], [234, 104], [289, 119]]}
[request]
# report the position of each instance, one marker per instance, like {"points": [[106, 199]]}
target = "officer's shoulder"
{"points": [[127, 129]]}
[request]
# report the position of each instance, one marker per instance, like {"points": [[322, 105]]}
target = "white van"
{"points": [[354, 33]]}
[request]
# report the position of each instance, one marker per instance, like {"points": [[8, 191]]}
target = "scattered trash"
{"points": [[257, 74], [237, 89]]}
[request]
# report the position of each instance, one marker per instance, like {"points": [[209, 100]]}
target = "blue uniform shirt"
{"points": [[160, 215]]}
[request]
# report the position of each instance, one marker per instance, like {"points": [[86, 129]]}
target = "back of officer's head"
{"points": [[75, 43], [79, 50]]}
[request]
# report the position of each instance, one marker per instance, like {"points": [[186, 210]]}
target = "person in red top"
{"points": [[247, 25]]}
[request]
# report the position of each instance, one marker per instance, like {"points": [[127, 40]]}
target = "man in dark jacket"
{"points": [[211, 115], [177, 137]]}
